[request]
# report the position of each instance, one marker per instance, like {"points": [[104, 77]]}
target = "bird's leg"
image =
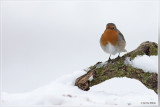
{"points": [[109, 59], [118, 55]]}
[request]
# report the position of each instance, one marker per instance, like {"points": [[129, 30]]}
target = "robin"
{"points": [[112, 40]]}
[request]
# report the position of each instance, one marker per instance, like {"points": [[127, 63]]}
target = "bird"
{"points": [[112, 40]]}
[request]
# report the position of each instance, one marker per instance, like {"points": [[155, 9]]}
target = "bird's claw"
{"points": [[109, 60]]}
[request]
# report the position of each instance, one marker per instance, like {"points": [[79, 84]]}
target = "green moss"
{"points": [[155, 90], [121, 73], [91, 67], [100, 71], [133, 55], [117, 68], [146, 76], [98, 80], [153, 50]]}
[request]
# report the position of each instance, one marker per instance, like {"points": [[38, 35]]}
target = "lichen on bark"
{"points": [[117, 68]]}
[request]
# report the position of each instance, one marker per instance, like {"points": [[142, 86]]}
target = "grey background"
{"points": [[44, 40]]}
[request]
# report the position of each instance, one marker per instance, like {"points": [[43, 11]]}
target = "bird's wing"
{"points": [[121, 35]]}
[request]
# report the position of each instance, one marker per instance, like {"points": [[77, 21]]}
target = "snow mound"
{"points": [[146, 63], [116, 91]]}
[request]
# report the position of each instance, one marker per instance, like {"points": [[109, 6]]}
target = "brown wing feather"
{"points": [[121, 35]]}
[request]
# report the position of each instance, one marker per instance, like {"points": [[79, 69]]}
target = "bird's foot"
{"points": [[118, 57], [109, 60]]}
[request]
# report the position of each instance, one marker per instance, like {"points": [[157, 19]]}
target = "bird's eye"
{"points": [[113, 28]]}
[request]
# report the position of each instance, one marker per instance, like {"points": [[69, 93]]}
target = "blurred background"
{"points": [[43, 40]]}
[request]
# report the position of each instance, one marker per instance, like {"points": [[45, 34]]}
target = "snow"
{"points": [[146, 63], [116, 91], [91, 78], [101, 64]]}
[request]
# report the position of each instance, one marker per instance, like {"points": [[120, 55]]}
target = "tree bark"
{"points": [[118, 68]]}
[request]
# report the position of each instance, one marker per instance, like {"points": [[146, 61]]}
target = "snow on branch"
{"points": [[125, 66]]}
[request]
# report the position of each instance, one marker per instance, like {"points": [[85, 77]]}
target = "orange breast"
{"points": [[109, 36]]}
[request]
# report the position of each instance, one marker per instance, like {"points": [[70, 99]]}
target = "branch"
{"points": [[117, 68]]}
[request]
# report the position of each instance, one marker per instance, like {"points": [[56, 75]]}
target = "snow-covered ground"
{"points": [[116, 91]]}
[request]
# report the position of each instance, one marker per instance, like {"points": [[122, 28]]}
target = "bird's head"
{"points": [[111, 26]]}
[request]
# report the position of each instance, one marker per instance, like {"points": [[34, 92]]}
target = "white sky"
{"points": [[44, 40]]}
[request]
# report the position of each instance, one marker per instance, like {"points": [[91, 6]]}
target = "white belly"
{"points": [[109, 48]]}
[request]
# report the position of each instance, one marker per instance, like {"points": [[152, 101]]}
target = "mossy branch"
{"points": [[117, 68]]}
